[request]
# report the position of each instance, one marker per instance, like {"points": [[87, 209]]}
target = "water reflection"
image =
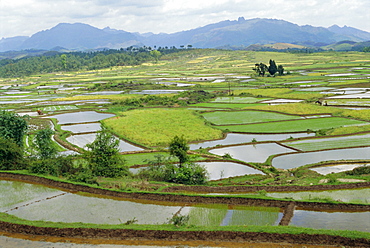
{"points": [[298, 159], [83, 139], [219, 170], [82, 128], [337, 220], [238, 138], [325, 170], [252, 153], [80, 117]]}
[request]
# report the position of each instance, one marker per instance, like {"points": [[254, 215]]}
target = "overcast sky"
{"points": [[26, 17]]}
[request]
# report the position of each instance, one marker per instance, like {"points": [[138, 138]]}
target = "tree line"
{"points": [[56, 62]]}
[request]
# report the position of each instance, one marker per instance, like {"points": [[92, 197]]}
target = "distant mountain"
{"points": [[13, 43], [352, 33], [79, 36], [238, 33]]}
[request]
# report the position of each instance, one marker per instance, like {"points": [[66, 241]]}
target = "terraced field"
{"points": [[249, 131]]}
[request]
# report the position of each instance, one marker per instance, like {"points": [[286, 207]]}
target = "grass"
{"points": [[158, 126], [330, 143], [244, 117], [293, 125]]}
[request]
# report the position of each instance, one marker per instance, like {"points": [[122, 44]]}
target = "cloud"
{"points": [[26, 17]]}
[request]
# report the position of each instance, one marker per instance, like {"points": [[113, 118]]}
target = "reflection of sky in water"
{"points": [[296, 160], [218, 170], [324, 170], [337, 220], [82, 128], [84, 139], [80, 117], [252, 153], [77, 208], [237, 138]]}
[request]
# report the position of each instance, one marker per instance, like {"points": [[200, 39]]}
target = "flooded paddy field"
{"points": [[290, 161], [252, 153]]}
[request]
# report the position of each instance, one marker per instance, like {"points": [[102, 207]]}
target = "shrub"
{"points": [[362, 170], [179, 220], [189, 173], [11, 155], [103, 157]]}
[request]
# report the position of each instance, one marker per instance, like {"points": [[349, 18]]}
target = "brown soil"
{"points": [[240, 189], [222, 236]]}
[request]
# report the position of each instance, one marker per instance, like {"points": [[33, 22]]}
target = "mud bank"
{"points": [[222, 236], [241, 189], [185, 198]]}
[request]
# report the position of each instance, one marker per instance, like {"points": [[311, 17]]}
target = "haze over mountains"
{"points": [[238, 33]]}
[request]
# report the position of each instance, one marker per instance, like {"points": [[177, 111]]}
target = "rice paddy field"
{"points": [[280, 126]]}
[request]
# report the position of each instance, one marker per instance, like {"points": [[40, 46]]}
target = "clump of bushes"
{"points": [[362, 170]]}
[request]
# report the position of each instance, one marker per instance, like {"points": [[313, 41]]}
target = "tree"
{"points": [[280, 70], [260, 69], [11, 155], [44, 144], [155, 54], [103, 156], [178, 147], [272, 68], [13, 127]]}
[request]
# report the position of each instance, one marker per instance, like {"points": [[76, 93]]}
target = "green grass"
{"points": [[330, 143], [157, 127], [293, 126], [244, 117]]}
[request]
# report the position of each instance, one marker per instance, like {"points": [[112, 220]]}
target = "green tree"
{"points": [[272, 69], [64, 61], [155, 54], [103, 156], [13, 127], [260, 69], [11, 155], [280, 70], [44, 144], [178, 147]]}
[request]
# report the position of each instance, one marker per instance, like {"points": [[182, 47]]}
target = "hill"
{"points": [[237, 33]]}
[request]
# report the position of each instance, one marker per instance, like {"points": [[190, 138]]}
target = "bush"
{"points": [[179, 220], [11, 155], [59, 166], [362, 170], [189, 173]]}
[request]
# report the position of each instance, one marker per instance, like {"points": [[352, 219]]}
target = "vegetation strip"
{"points": [[232, 200], [122, 234]]}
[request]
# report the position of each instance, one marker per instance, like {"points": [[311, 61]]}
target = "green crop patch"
{"points": [[293, 125], [244, 117], [156, 127], [331, 143]]}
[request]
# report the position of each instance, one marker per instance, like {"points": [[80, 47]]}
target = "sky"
{"points": [[26, 17]]}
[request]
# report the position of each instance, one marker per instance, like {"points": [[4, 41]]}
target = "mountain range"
{"points": [[238, 33]]}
